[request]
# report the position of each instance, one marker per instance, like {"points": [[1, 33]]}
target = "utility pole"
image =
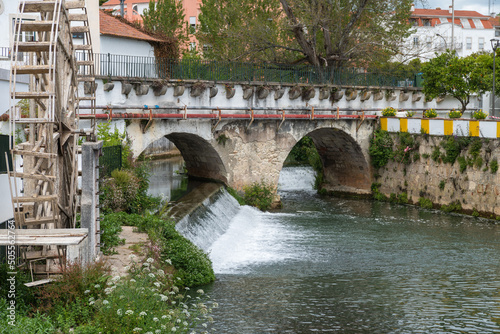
{"points": [[452, 25]]}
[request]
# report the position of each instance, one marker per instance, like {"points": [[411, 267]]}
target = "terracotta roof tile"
{"points": [[114, 27], [445, 13]]}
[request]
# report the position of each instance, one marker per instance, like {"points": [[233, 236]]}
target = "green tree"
{"points": [[318, 32], [167, 18], [243, 30], [448, 74]]}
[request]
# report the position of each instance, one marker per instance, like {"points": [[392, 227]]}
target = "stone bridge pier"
{"points": [[239, 153]]}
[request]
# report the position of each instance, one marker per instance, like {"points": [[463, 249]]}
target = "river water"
{"points": [[351, 266]]}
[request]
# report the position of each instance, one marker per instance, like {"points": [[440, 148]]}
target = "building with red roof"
{"points": [[436, 30], [118, 37], [133, 9]]}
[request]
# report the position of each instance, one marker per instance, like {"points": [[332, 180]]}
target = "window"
{"points": [[414, 22], [23, 36], [427, 22], [415, 41], [192, 24], [497, 33], [135, 10], [192, 46], [468, 43], [428, 40], [481, 43], [443, 20]]}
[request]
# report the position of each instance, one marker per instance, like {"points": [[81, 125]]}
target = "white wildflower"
{"points": [[176, 289], [133, 280], [157, 284], [92, 302], [132, 256], [168, 261], [204, 325], [105, 302], [116, 278], [91, 299], [150, 260], [158, 331], [129, 312], [97, 286], [163, 327], [163, 298], [173, 329], [160, 272], [200, 291], [119, 311], [143, 314], [86, 292], [145, 264], [137, 329], [155, 319], [185, 323], [215, 304], [178, 321], [151, 275]]}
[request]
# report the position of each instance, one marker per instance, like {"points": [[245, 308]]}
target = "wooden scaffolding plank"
{"points": [[38, 6], [78, 17], [34, 46], [32, 95], [36, 154], [33, 176], [79, 29], [75, 4], [32, 69], [36, 26], [32, 199]]}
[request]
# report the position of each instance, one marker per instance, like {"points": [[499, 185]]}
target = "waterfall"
{"points": [[238, 237], [210, 220]]}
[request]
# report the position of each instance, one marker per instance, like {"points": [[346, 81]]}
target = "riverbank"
{"points": [[454, 174]]}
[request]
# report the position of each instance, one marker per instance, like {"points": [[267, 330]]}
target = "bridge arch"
{"points": [[202, 160], [345, 167]]}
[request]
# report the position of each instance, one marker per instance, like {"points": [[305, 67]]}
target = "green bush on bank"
{"points": [[259, 194]]}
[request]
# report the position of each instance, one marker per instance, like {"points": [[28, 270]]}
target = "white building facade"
{"points": [[434, 32]]}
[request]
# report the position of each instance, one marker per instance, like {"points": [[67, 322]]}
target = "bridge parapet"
{"points": [[205, 96]]}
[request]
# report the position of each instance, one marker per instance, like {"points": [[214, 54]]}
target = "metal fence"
{"points": [[111, 65], [4, 148], [110, 160]]}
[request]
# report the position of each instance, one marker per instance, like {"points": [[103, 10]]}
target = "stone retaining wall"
{"points": [[476, 187]]}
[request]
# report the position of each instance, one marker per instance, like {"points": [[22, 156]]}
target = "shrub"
{"points": [[380, 148], [410, 113], [452, 207], [425, 203], [259, 194], [234, 193], [494, 165], [110, 231], [463, 164], [430, 113], [436, 154], [389, 112], [442, 184], [454, 113], [403, 198], [479, 114]]}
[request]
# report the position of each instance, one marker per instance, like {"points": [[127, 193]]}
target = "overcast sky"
{"points": [[480, 6]]}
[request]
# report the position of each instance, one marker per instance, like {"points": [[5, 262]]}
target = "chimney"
{"points": [[412, 7], [450, 10], [438, 8]]}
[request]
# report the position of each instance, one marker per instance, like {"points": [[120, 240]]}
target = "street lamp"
{"points": [[444, 39], [494, 46]]}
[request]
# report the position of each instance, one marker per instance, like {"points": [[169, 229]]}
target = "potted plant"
{"points": [[430, 113], [389, 112], [479, 114], [454, 113], [410, 113]]}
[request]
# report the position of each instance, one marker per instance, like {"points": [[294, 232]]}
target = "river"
{"points": [[351, 266]]}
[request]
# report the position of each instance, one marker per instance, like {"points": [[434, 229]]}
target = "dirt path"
{"points": [[134, 244]]}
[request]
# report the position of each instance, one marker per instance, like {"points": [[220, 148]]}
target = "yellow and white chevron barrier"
{"points": [[442, 127]]}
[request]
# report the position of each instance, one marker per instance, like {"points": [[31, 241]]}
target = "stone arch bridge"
{"points": [[242, 133]]}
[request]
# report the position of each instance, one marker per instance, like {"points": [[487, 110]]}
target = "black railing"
{"points": [[110, 65], [110, 160]]}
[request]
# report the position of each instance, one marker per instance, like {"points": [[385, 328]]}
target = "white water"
{"points": [[237, 237], [210, 221]]}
